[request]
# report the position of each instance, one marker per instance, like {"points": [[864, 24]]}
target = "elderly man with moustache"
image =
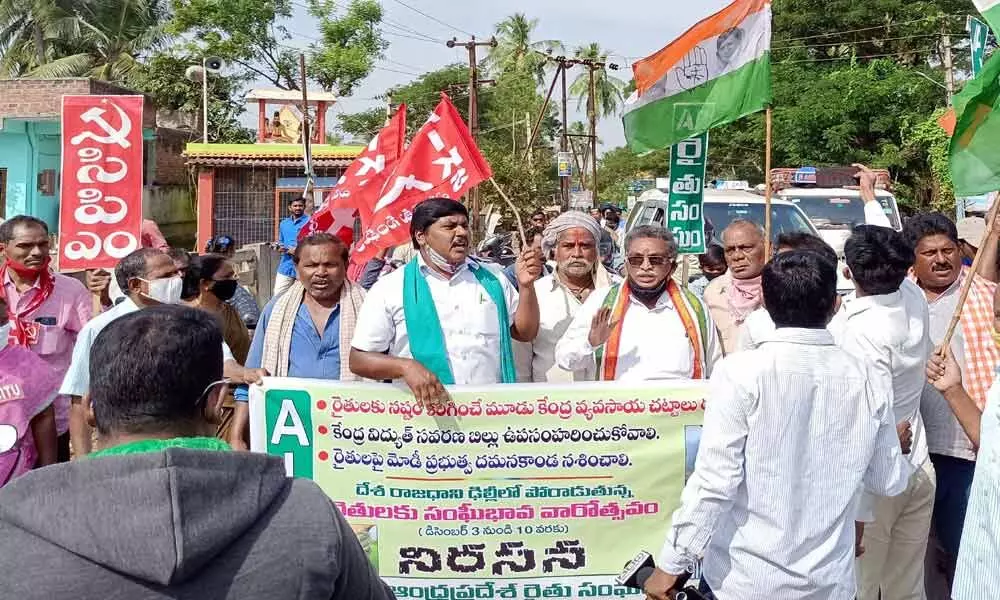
{"points": [[572, 239], [646, 328], [732, 297]]}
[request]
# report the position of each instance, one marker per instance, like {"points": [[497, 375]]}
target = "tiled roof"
{"points": [[269, 151], [268, 155], [223, 161]]}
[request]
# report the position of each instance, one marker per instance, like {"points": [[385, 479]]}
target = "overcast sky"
{"points": [[630, 29]]}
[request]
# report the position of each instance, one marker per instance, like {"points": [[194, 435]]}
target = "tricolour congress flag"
{"points": [[717, 72], [974, 152], [990, 10]]}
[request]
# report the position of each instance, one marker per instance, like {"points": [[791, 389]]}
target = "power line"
{"points": [[853, 57], [433, 18], [413, 37], [855, 43], [884, 26], [409, 30]]}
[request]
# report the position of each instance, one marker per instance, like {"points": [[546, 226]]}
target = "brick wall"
{"points": [[170, 167], [42, 98]]}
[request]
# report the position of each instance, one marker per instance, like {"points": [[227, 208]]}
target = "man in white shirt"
{"points": [[151, 279], [887, 325], [795, 427], [646, 328], [444, 318], [975, 573], [572, 239], [759, 327]]}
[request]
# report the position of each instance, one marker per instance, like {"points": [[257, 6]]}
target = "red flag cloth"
{"points": [[442, 161], [358, 188]]}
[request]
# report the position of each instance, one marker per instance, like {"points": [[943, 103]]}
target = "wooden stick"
{"points": [[767, 182], [517, 213], [967, 284]]}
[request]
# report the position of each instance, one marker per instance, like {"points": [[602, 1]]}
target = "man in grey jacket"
{"points": [[165, 510]]}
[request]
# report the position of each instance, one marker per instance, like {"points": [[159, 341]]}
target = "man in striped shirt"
{"points": [[795, 427]]}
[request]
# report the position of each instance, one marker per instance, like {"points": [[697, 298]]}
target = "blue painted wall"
{"points": [[28, 147]]}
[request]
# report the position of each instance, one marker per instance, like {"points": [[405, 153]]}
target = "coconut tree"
{"points": [[114, 35], [31, 31], [608, 89], [516, 50]]}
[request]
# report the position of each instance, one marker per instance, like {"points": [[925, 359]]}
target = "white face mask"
{"points": [[4, 333], [165, 291]]}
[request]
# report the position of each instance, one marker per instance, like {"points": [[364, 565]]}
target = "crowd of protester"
{"points": [[840, 443]]}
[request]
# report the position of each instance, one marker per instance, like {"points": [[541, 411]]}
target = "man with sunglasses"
{"points": [[646, 328], [165, 510]]}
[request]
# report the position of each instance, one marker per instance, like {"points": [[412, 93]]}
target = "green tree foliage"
{"points": [[517, 51], [113, 37], [164, 80], [617, 167], [608, 89], [350, 44], [245, 33], [31, 31]]}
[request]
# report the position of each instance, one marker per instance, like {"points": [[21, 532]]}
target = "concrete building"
{"points": [[244, 189], [30, 156]]}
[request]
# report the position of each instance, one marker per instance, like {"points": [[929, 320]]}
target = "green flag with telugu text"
{"points": [[974, 151]]}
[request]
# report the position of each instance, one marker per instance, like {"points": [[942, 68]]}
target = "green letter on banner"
{"points": [[687, 191], [289, 430]]}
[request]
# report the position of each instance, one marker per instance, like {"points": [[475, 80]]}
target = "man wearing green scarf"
{"points": [[164, 509], [445, 318]]}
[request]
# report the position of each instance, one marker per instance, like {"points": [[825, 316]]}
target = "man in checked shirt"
{"points": [[795, 428]]}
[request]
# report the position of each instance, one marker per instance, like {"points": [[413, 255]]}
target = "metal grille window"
{"points": [[244, 204]]}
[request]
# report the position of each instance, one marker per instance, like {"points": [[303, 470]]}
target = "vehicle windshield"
{"points": [[784, 218], [839, 212]]}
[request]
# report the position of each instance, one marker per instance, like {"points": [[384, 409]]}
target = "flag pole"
{"points": [[517, 213], [967, 284], [767, 181]]}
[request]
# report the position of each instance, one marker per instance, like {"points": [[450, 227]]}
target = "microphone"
{"points": [[638, 570]]}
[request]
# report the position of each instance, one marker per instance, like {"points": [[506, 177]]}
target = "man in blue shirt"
{"points": [[301, 333], [288, 234]]}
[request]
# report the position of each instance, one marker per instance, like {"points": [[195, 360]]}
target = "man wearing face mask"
{"points": [[165, 510], [46, 310], [305, 331], [572, 238], [444, 318], [151, 279], [939, 273], [733, 296], [646, 328]]}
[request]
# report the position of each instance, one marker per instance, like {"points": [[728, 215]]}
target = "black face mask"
{"points": [[647, 295], [224, 290]]}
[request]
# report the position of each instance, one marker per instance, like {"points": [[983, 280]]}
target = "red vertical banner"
{"points": [[100, 207]]}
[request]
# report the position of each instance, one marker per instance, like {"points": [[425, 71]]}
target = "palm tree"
{"points": [[608, 89], [114, 34], [515, 50], [29, 32]]}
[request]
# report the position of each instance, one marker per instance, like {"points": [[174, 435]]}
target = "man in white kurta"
{"points": [[652, 339]]}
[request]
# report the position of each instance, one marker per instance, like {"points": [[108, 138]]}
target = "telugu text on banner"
{"points": [[514, 491], [686, 218], [100, 208]]}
